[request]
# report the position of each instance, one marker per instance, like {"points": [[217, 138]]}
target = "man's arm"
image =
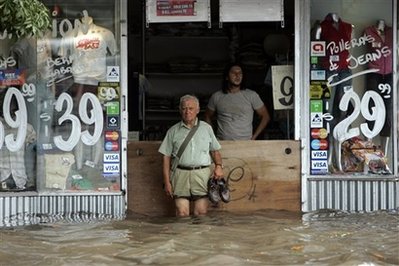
{"points": [[264, 120], [217, 159], [166, 175], [209, 115]]}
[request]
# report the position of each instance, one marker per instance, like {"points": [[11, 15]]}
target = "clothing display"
{"points": [[381, 44], [32, 55], [83, 153], [13, 163], [61, 87], [363, 156], [334, 31], [77, 90], [48, 63], [89, 48], [57, 169], [89, 52], [337, 93], [89, 155]]}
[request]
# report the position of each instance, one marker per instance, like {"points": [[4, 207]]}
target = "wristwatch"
{"points": [[221, 165]]}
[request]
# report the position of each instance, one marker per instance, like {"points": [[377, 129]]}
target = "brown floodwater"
{"points": [[266, 237]]}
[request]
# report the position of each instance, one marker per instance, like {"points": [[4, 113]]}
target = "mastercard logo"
{"points": [[319, 133], [111, 135]]}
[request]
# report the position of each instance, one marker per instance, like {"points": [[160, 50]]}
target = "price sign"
{"points": [[90, 113], [344, 129], [283, 87]]}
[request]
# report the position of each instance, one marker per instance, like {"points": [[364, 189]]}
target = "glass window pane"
{"points": [[61, 95], [351, 87]]}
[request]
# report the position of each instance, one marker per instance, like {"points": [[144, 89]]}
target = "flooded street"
{"points": [[258, 238]]}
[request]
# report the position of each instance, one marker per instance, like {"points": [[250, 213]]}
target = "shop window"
{"points": [[351, 88], [60, 97]]}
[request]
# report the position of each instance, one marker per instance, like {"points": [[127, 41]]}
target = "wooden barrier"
{"points": [[260, 174]]}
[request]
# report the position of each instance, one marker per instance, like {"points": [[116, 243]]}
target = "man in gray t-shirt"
{"points": [[234, 107]]}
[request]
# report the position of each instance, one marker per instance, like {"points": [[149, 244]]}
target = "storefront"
{"points": [[343, 110], [63, 126], [347, 87], [327, 71]]}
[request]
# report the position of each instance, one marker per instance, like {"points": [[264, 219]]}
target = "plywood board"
{"points": [[260, 174]]}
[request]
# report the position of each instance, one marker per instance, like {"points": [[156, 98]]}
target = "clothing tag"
{"points": [[77, 177], [47, 146], [334, 58], [376, 44], [90, 164]]}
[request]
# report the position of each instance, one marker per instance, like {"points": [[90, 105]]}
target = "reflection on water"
{"points": [[259, 238]]}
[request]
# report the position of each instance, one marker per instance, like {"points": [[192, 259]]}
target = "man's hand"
{"points": [[218, 172], [169, 190]]}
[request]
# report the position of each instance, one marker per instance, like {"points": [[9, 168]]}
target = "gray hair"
{"points": [[188, 97]]}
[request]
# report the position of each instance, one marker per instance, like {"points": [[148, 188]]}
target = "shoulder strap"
{"points": [[184, 145], [187, 139]]}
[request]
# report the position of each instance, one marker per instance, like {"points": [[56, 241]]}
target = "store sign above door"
{"points": [[176, 8], [166, 11], [251, 11]]}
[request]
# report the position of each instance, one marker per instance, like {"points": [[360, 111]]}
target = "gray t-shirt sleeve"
{"points": [[256, 101]]}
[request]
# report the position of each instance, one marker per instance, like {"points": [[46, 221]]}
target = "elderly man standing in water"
{"points": [[188, 181]]}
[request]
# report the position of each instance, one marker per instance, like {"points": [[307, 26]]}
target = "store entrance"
{"points": [[168, 60]]}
